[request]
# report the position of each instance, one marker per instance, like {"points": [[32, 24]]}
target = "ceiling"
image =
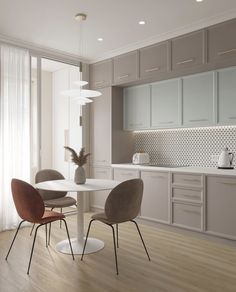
{"points": [[51, 23]]}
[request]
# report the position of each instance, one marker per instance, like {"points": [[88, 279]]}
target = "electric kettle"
{"points": [[226, 159]]}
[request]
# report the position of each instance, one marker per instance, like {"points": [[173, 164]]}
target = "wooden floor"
{"points": [[180, 262]]}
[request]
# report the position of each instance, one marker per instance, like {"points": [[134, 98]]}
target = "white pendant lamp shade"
{"points": [[81, 83], [81, 93]]}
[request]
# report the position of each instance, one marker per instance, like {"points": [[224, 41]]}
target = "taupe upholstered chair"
{"points": [[122, 205], [53, 199], [30, 207]]}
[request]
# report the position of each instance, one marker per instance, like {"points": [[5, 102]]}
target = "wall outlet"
{"points": [[214, 157]]}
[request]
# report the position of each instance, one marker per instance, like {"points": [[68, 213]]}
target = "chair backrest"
{"points": [[124, 201], [45, 175], [28, 201]]}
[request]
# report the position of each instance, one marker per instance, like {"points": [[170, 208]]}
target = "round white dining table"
{"points": [[91, 185]]}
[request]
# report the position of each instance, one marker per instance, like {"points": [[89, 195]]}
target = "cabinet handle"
{"points": [[227, 183], [227, 52], [192, 211], [191, 196], [99, 82], [191, 180], [185, 61], [126, 173], [100, 160], [169, 122], [123, 76], [157, 176], [100, 171], [152, 69], [231, 118], [198, 120]]}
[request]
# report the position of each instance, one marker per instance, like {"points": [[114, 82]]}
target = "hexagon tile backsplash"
{"points": [[192, 146]]}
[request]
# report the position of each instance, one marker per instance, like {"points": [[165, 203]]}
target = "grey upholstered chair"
{"points": [[122, 205], [53, 199]]}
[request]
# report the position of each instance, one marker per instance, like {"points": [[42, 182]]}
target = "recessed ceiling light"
{"points": [[199, 0], [100, 39], [142, 22]]}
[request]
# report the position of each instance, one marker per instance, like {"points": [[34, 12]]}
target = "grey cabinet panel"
{"points": [[126, 68], [221, 206], [101, 74], [125, 174], [137, 107], [198, 99], [153, 60], [227, 96], [166, 103], [188, 50], [222, 41]]}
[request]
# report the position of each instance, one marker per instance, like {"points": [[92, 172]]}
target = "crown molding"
{"points": [[43, 51], [203, 23]]}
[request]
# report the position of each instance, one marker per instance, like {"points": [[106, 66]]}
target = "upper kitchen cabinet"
{"points": [[188, 51], [101, 74], [226, 98], [222, 41], [137, 107], [126, 68], [198, 99], [154, 60], [166, 104]]}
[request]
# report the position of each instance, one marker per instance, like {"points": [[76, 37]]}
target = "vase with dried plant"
{"points": [[79, 160]]}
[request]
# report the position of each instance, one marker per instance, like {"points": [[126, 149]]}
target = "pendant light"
{"points": [[82, 96]]}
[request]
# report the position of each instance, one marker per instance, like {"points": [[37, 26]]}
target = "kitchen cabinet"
{"points": [[98, 198], [222, 41], [188, 51], [221, 206], [121, 174], [137, 107], [226, 98], [126, 68], [198, 99], [166, 104], [101, 74], [154, 60], [155, 203]]}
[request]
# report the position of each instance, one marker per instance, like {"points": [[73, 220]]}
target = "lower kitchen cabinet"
{"points": [[98, 199], [121, 174], [221, 206], [155, 204]]}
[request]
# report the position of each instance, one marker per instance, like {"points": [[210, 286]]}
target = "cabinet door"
{"points": [[101, 74], [227, 96], [137, 107], [125, 174], [126, 68], [155, 204], [188, 50], [198, 100], [153, 60], [166, 102], [100, 129], [221, 206], [98, 199], [222, 41]]}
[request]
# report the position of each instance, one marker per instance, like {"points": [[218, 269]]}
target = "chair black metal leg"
{"points": [[86, 238], [60, 220], [69, 238], [49, 233], [141, 238], [46, 233], [117, 241], [14, 239], [32, 249], [114, 241], [32, 229]]}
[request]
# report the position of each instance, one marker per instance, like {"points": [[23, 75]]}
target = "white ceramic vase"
{"points": [[80, 177]]}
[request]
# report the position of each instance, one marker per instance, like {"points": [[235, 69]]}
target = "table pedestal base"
{"points": [[93, 245]]}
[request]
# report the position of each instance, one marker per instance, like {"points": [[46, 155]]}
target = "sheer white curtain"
{"points": [[14, 128]]}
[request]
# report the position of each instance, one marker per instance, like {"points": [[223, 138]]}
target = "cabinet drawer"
{"points": [[187, 194], [126, 68], [188, 50], [101, 74], [187, 215], [187, 179], [153, 60], [125, 174]]}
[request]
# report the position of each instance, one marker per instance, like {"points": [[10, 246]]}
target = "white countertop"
{"points": [[185, 169]]}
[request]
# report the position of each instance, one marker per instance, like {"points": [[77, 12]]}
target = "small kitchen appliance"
{"points": [[141, 158], [226, 159]]}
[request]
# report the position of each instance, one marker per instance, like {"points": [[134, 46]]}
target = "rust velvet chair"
{"points": [[122, 205], [30, 208]]}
